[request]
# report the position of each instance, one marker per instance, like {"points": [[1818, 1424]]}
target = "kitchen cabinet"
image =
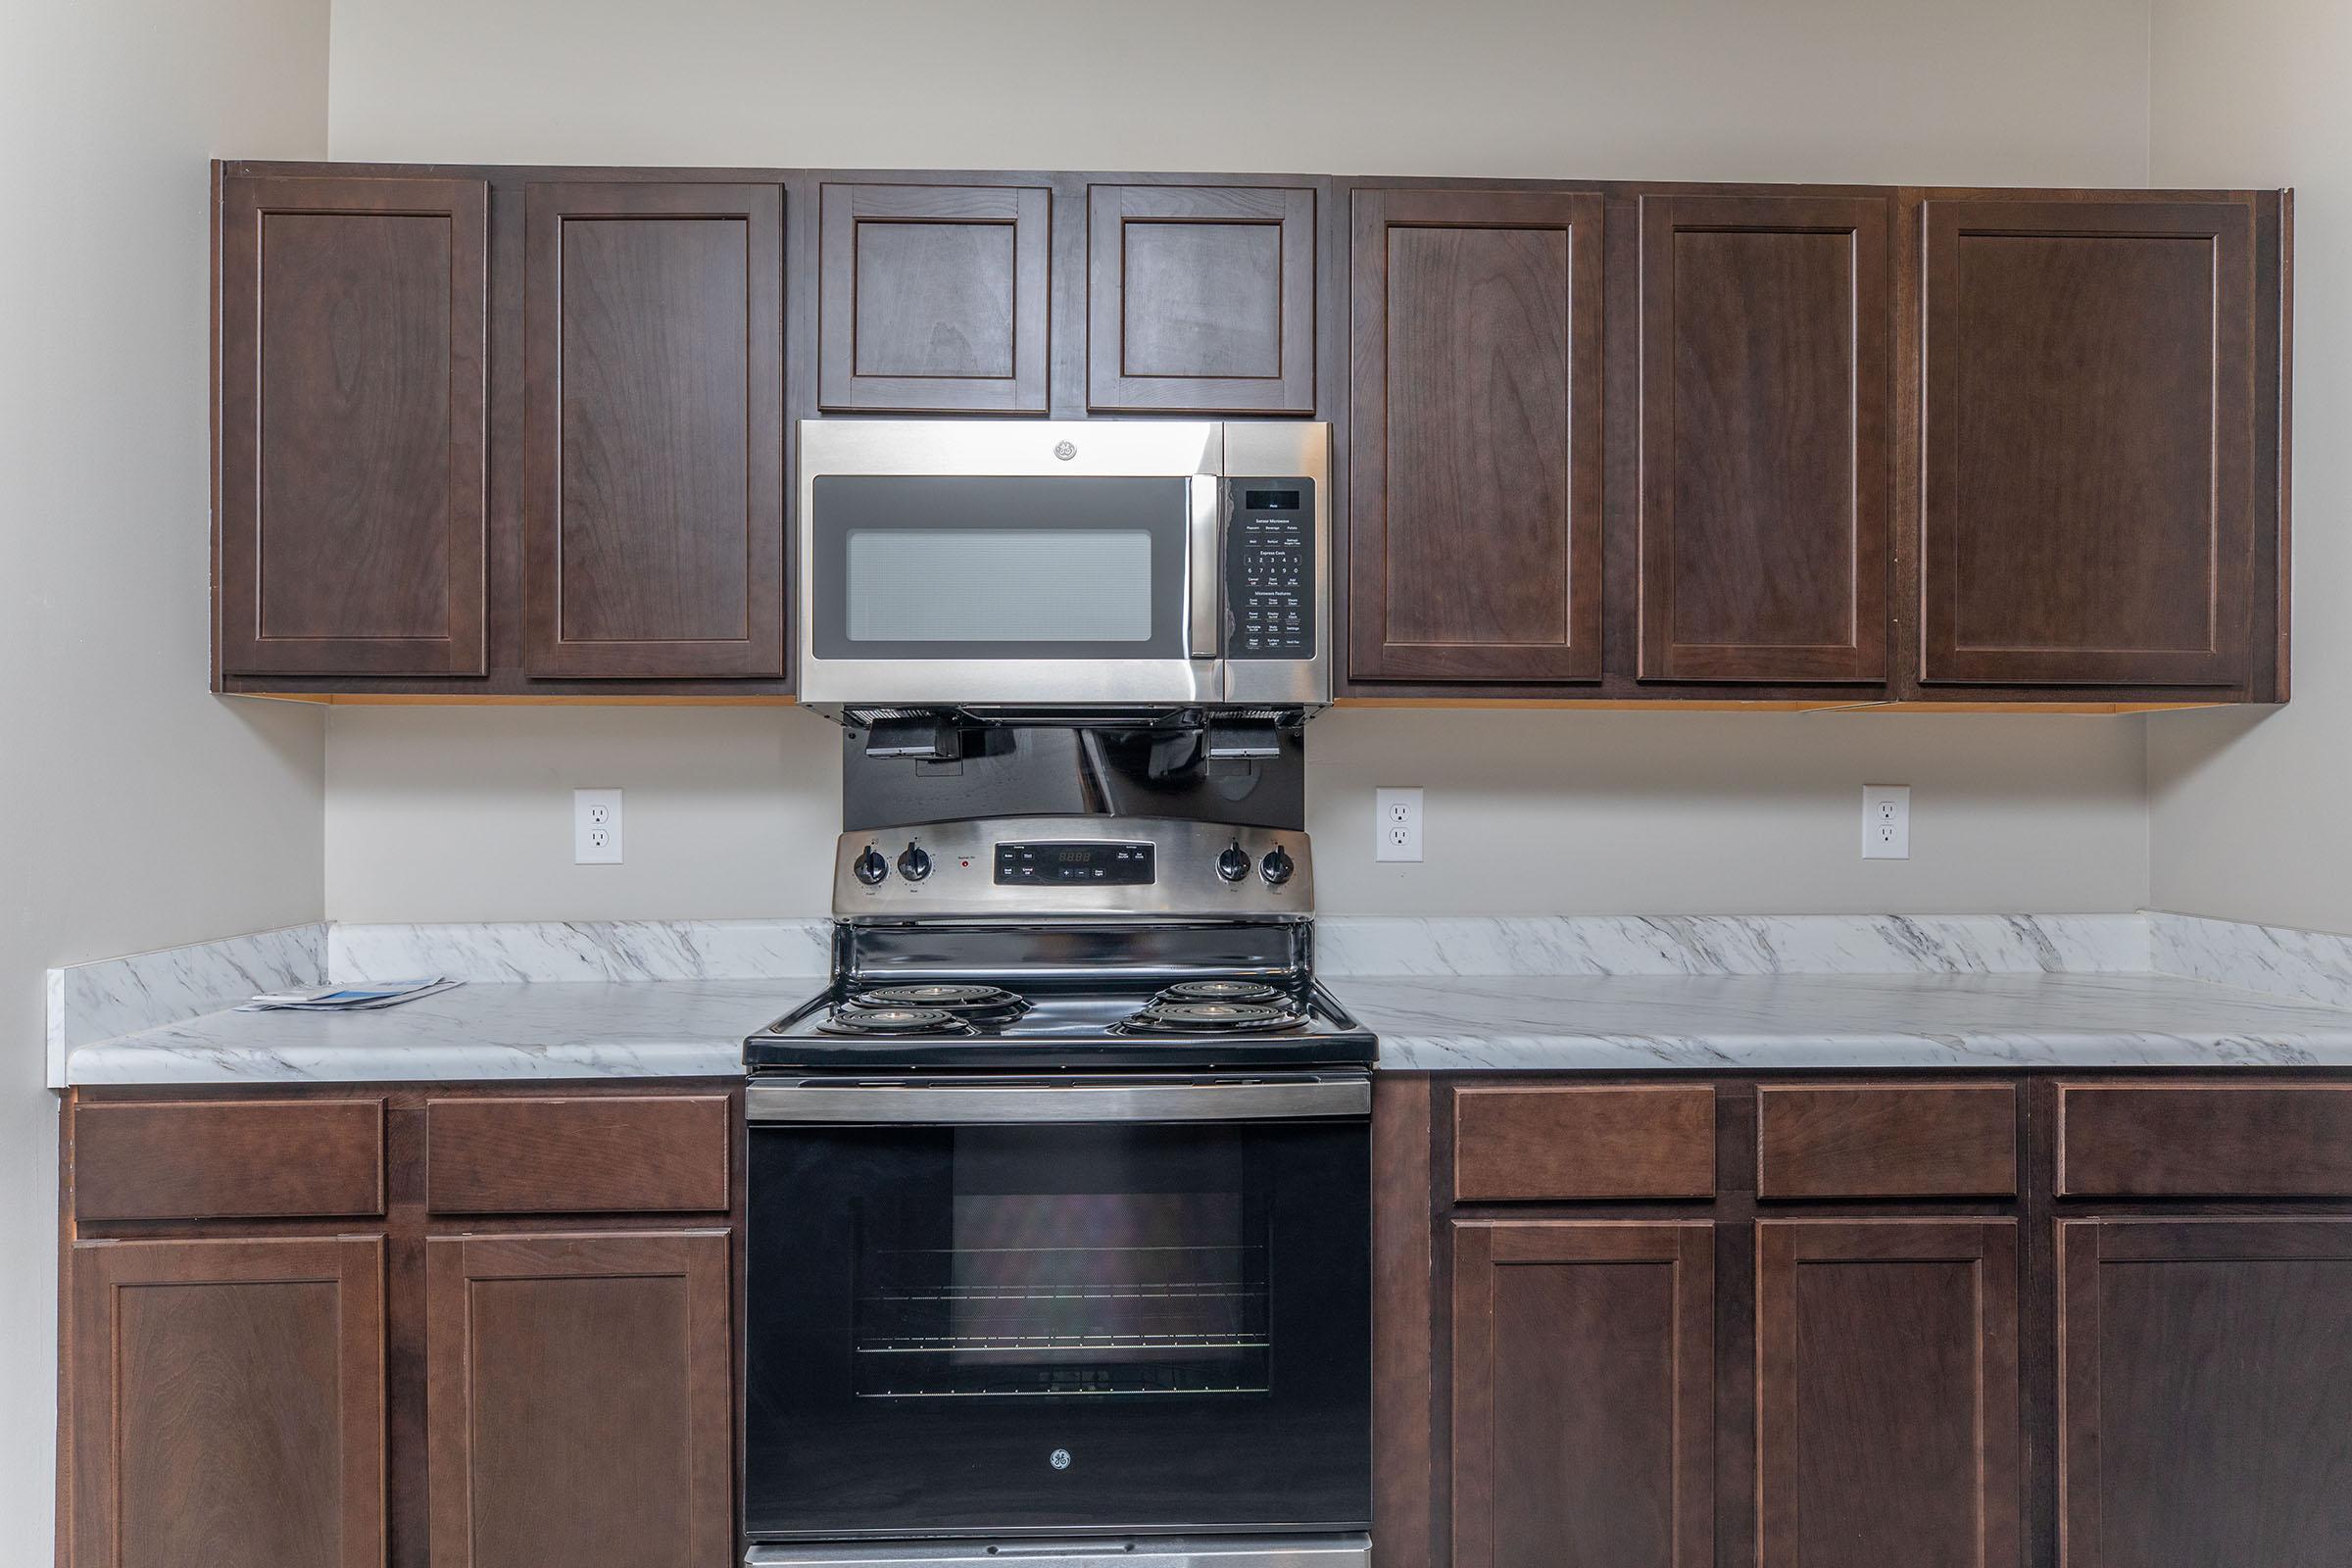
{"points": [[2206, 1372], [225, 1401], [394, 1324], [933, 298], [2088, 439], [1887, 1392], [1767, 437], [1475, 436], [579, 1398], [351, 427], [1583, 1367], [1200, 299], [654, 430]]}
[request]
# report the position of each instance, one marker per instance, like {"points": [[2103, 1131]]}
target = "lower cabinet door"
{"points": [[227, 1403], [1584, 1394], [1886, 1398], [578, 1401], [2205, 1372]]}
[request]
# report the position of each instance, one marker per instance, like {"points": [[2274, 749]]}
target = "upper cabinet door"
{"points": [[932, 299], [654, 430], [1765, 421], [2087, 437], [351, 432], [1200, 299], [1475, 528]]}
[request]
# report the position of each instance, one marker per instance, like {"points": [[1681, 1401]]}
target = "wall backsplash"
{"points": [[463, 813]]}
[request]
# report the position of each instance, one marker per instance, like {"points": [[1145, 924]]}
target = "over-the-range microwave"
{"points": [[1086, 565]]}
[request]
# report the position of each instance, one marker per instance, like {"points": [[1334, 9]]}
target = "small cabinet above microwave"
{"points": [[1063, 563]]}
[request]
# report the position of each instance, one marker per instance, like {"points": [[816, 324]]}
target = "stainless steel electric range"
{"points": [[1059, 1232]]}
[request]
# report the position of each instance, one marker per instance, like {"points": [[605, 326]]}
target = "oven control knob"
{"points": [[1276, 867], [914, 863], [871, 866], [1232, 864]]}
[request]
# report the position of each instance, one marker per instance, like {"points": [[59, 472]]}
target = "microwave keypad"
{"points": [[1270, 570]]}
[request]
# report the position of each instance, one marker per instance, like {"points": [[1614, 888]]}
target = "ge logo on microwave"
{"points": [[1066, 449], [1059, 1459]]}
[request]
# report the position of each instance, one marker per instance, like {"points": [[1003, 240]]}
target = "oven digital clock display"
{"points": [[1096, 863]]}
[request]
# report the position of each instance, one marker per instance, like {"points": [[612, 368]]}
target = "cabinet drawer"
{"points": [[1887, 1141], [228, 1159], [1558, 1142], [2205, 1140], [608, 1155]]}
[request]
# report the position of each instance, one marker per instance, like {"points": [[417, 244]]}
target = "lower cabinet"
{"points": [[1887, 1392], [579, 1400], [1583, 1394], [2205, 1400], [226, 1404]]}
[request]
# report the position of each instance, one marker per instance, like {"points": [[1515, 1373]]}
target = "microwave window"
{"points": [[998, 586]]}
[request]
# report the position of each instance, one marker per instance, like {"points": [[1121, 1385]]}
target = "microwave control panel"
{"points": [[1270, 569]]}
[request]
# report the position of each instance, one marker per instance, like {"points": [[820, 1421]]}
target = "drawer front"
{"points": [[609, 1155], [2205, 1141], [1887, 1141], [228, 1159], [1560, 1143]]}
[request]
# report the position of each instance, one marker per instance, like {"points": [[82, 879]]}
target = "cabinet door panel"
{"points": [[1584, 1366], [227, 1402], [579, 1401], [933, 298], [1888, 1393], [351, 427], [2205, 1368], [2088, 440], [1475, 528], [1200, 299], [654, 430], [1767, 459]]}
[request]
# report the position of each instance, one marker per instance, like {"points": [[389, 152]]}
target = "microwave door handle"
{"points": [[1204, 576]]}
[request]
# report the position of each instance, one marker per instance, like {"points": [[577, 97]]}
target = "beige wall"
{"points": [[140, 811], [2247, 810], [461, 815]]}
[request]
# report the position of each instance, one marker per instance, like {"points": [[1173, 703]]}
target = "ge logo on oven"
{"points": [[1059, 1459]]}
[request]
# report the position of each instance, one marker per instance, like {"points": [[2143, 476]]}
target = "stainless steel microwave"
{"points": [[1089, 564]]}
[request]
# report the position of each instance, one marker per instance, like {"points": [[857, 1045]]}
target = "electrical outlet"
{"points": [[1885, 821], [595, 827], [1397, 824]]}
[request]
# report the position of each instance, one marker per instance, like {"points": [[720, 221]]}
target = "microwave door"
{"points": [[927, 589]]}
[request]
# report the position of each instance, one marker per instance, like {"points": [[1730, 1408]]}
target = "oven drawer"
{"points": [[648, 1153], [2205, 1140], [1559, 1143], [1887, 1141], [228, 1159]]}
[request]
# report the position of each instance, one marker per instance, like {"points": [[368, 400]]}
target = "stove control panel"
{"points": [[1116, 867], [1089, 863]]}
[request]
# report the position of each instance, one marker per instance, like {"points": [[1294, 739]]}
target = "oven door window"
{"points": [[993, 566], [1058, 1327]]}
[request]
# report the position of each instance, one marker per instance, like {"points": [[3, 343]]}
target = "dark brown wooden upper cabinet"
{"points": [[351, 437], [1200, 299], [654, 430], [932, 299], [1475, 461], [1767, 438], [2087, 437]]}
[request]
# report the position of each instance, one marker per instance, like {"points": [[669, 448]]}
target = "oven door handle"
{"points": [[983, 1103], [1204, 576]]}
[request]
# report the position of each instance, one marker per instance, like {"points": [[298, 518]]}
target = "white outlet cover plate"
{"points": [[1397, 824], [1885, 821], [595, 827]]}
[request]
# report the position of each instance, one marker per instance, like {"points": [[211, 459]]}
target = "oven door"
{"points": [[1069, 1309], [969, 565]]}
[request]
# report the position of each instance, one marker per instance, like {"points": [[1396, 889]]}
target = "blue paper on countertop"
{"points": [[349, 998]]}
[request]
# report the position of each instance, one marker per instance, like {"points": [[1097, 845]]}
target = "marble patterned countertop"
{"points": [[695, 1028]]}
